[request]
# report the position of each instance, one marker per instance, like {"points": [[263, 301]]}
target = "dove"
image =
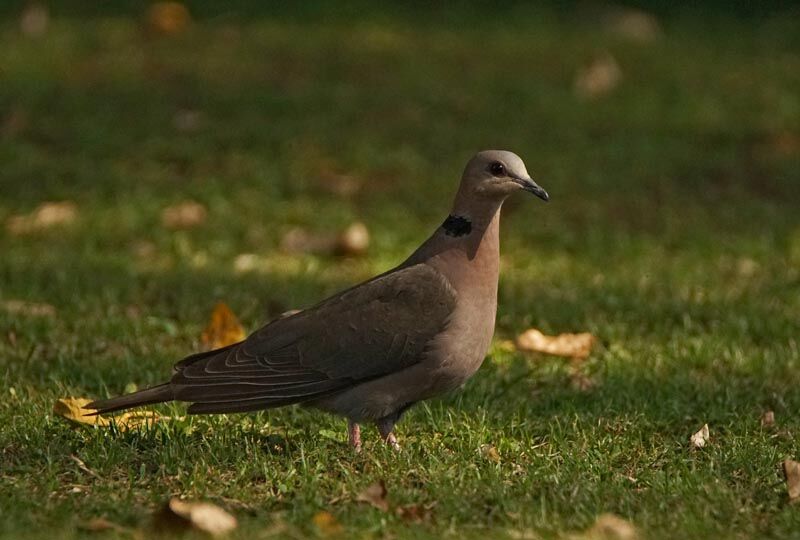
{"points": [[372, 351]]}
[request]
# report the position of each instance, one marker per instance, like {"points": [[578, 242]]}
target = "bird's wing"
{"points": [[373, 329]]}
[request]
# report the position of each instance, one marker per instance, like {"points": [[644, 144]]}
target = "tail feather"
{"points": [[148, 396]]}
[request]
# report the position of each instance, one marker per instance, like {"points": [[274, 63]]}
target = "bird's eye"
{"points": [[497, 169]]}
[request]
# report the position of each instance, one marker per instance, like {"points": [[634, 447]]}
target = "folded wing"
{"points": [[374, 329]]}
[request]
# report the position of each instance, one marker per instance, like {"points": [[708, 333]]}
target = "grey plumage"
{"points": [[370, 352]]}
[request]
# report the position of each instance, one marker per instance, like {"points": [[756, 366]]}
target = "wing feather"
{"points": [[376, 328]]}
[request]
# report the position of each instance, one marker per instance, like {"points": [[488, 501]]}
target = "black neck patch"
{"points": [[457, 226]]}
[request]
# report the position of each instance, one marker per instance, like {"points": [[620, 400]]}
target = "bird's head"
{"points": [[496, 174]]}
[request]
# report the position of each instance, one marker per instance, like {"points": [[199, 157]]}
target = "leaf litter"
{"points": [[699, 439], [223, 328], [206, 517], [568, 345], [74, 410]]}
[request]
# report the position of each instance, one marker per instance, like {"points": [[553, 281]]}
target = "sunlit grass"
{"points": [[672, 235]]}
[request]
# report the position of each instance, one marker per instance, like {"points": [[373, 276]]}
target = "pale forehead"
{"points": [[509, 159]]}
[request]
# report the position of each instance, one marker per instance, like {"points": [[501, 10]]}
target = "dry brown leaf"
{"points": [[102, 524], [489, 451], [353, 241], [297, 240], [700, 438], [580, 381], [184, 215], [599, 78], [791, 469], [187, 120], [331, 178], [34, 20], [73, 410], [14, 122], [168, 17], [611, 527], [375, 495], [200, 516], [415, 513], [633, 24], [768, 419], [570, 345], [327, 524], [45, 216], [223, 328], [29, 309]]}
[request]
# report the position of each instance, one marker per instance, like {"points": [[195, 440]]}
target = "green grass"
{"points": [[673, 234]]}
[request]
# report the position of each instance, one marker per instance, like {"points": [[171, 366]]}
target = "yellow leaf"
{"points": [[327, 524], [73, 409], [223, 329], [570, 345]]}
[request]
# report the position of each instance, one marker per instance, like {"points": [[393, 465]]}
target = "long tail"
{"points": [[156, 394]]}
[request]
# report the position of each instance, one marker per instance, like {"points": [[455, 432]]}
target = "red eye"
{"points": [[497, 169]]}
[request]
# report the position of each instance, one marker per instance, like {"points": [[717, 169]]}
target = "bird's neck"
{"points": [[474, 225], [467, 244]]}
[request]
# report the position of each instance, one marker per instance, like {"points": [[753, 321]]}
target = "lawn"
{"points": [[672, 234]]}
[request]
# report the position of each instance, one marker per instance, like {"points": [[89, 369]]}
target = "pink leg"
{"points": [[354, 434], [385, 427]]}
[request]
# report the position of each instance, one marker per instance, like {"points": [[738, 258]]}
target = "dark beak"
{"points": [[531, 186]]}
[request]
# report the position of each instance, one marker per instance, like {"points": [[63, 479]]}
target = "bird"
{"points": [[371, 351]]}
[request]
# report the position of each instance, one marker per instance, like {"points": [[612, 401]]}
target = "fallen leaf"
{"points": [[82, 466], [415, 513], [327, 524], [489, 452], [353, 241], [791, 469], [102, 524], [611, 527], [245, 262], [570, 345], [168, 17], [184, 215], [187, 120], [375, 495], [700, 438], [768, 419], [45, 216], [580, 381], [298, 240], [599, 78], [14, 122], [223, 328], [200, 516], [73, 410], [633, 24], [34, 20], [29, 309]]}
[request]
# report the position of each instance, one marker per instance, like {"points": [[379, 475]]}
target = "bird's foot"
{"points": [[354, 436], [385, 428], [391, 440]]}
